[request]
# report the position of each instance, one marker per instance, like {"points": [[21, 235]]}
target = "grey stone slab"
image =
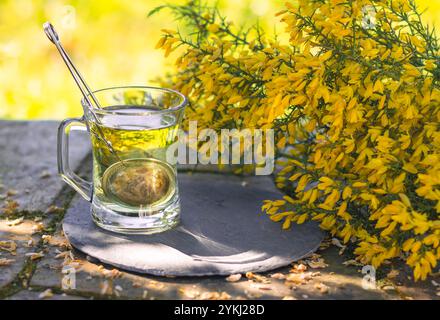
{"points": [[23, 236], [8, 273], [222, 232], [28, 161], [38, 295]]}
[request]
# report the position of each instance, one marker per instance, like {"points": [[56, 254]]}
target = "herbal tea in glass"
{"points": [[134, 187]]}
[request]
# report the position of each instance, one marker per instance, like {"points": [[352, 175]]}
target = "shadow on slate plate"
{"points": [[222, 232]]}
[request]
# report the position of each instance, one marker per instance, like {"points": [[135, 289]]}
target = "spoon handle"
{"points": [[50, 32], [85, 89]]}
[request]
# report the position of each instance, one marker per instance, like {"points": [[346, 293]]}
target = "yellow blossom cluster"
{"points": [[354, 97]]}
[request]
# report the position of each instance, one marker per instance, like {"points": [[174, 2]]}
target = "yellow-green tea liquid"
{"points": [[133, 178]]}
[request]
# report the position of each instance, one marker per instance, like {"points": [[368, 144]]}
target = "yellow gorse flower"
{"points": [[358, 106]]}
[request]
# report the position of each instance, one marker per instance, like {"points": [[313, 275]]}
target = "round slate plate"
{"points": [[222, 232]]}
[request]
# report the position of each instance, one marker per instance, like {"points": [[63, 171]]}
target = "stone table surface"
{"points": [[37, 261]]}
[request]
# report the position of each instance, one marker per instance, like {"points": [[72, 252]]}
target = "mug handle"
{"points": [[82, 186]]}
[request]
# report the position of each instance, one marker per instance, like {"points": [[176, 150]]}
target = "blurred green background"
{"points": [[111, 41]]}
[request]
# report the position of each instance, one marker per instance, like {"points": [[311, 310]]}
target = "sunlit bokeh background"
{"points": [[111, 41]]}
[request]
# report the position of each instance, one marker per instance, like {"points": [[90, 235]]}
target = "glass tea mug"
{"points": [[134, 188]]}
